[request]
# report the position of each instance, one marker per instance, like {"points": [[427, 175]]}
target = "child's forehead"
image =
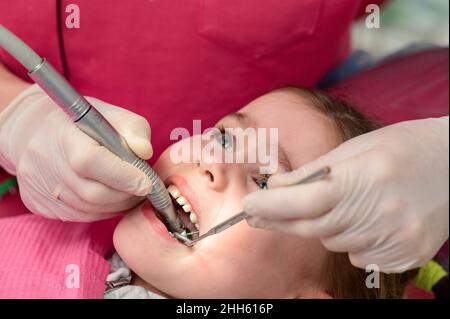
{"points": [[278, 109], [304, 132]]}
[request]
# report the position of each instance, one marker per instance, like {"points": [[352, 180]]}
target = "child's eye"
{"points": [[262, 181], [225, 139]]}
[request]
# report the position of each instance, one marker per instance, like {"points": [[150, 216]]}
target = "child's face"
{"points": [[242, 261]]}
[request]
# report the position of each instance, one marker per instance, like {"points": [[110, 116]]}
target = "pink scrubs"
{"points": [[173, 61]]}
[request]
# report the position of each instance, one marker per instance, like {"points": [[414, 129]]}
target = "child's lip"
{"points": [[186, 191], [149, 213]]}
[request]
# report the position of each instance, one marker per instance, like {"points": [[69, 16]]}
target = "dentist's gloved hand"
{"points": [[385, 202], [62, 172]]}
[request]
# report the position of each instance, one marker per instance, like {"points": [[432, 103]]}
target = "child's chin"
{"points": [[123, 233]]}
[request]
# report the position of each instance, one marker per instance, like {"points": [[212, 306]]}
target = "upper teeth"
{"points": [[183, 202]]}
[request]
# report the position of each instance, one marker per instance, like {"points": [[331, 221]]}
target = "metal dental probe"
{"points": [[317, 175], [90, 121]]}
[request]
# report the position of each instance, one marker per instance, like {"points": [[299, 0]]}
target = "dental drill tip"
{"points": [[171, 219], [184, 240]]}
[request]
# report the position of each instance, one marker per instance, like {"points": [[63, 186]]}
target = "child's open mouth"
{"points": [[185, 203], [184, 210]]}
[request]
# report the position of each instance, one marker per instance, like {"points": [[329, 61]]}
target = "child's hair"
{"points": [[341, 278]]}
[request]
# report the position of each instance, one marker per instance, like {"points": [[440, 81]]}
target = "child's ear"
{"points": [[314, 294]]}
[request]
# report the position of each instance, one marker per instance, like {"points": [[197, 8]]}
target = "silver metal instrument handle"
{"points": [[230, 222], [93, 123]]}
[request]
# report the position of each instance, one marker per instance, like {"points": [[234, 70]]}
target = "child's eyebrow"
{"points": [[245, 120]]}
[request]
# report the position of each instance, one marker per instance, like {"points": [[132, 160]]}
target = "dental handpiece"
{"points": [[90, 121]]}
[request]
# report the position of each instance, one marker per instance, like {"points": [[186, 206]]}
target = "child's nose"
{"points": [[214, 172]]}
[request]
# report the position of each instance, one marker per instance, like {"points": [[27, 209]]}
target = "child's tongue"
{"points": [[185, 218]]}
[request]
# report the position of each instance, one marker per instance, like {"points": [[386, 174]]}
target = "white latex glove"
{"points": [[63, 173], [386, 201]]}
